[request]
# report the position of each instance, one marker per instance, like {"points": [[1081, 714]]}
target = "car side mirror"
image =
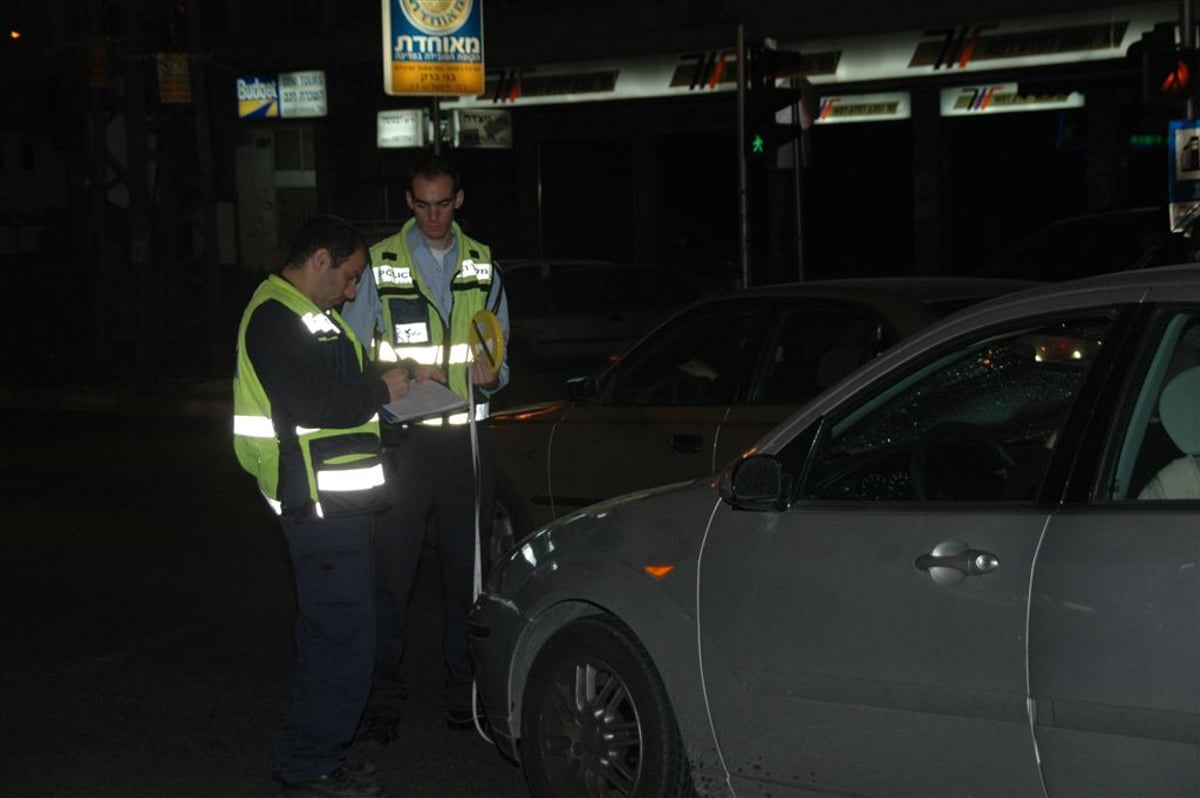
{"points": [[756, 483], [585, 390]]}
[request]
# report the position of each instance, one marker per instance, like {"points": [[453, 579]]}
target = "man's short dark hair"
{"points": [[325, 232], [431, 166]]}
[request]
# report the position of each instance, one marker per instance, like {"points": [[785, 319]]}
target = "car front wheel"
{"points": [[595, 721]]}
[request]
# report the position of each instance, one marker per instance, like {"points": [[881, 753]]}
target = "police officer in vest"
{"points": [[306, 425], [431, 279]]}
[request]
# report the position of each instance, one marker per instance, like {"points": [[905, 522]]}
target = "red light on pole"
{"points": [[1177, 81]]}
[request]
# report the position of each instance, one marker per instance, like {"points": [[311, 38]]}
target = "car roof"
{"points": [[1131, 286], [1128, 282], [923, 288], [1116, 287], [911, 302], [908, 303]]}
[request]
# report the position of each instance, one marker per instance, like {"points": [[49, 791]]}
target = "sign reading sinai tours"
{"points": [[433, 47]]}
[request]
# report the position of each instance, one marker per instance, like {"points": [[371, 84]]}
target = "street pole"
{"points": [[1187, 35], [436, 113], [743, 196], [798, 163]]}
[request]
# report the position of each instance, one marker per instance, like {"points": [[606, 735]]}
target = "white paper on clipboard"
{"points": [[424, 399]]}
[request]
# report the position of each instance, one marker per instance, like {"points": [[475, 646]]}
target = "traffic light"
{"points": [[766, 99], [1170, 74], [1171, 77]]}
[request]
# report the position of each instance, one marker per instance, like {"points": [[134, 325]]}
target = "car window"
{"points": [[979, 422], [1159, 456], [812, 346], [527, 292], [698, 358]]}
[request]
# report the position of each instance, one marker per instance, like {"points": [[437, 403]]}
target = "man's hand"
{"points": [[397, 383], [482, 376], [422, 373], [400, 380]]}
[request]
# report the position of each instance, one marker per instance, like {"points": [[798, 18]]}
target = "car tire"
{"points": [[596, 721], [510, 520]]}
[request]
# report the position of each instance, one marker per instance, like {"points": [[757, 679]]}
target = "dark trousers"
{"points": [[431, 470], [335, 642]]}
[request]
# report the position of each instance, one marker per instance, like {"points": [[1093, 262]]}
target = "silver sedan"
{"points": [[970, 569], [695, 391]]}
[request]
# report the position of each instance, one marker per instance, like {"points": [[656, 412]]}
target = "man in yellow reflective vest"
{"points": [[431, 279], [306, 425]]}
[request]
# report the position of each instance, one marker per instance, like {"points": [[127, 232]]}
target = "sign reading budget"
{"points": [[258, 97], [433, 47]]}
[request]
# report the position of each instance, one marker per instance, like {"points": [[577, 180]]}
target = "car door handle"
{"points": [[686, 444], [952, 561]]}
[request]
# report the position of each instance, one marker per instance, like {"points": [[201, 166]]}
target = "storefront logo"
{"points": [[436, 17]]}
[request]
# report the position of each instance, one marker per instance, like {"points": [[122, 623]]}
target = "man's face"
{"points": [[433, 203], [335, 285]]}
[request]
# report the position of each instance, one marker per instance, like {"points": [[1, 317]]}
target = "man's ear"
{"points": [[322, 260], [408, 198], [458, 199]]}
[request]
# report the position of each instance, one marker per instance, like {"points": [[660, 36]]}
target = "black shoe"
{"points": [[377, 731], [340, 782]]}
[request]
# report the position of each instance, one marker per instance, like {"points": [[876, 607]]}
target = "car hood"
{"points": [[663, 525]]}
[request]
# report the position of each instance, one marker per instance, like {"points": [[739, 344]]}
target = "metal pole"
{"points": [[541, 210], [1187, 39], [797, 188], [214, 318], [98, 249], [743, 195], [436, 113]]}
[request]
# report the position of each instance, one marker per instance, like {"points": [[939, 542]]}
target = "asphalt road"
{"points": [[145, 629]]}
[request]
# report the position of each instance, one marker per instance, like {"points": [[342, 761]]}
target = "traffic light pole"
{"points": [[1187, 36], [799, 161], [435, 110], [743, 180]]}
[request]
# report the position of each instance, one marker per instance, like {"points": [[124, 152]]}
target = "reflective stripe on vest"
{"points": [[350, 479], [458, 419], [253, 426], [460, 354], [309, 430]]}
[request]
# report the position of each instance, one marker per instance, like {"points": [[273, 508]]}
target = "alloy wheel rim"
{"points": [[592, 740]]}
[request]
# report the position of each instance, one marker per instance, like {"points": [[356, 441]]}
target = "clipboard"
{"points": [[423, 400]]}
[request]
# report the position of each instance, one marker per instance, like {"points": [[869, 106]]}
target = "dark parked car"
{"points": [[581, 312], [700, 388], [1094, 243], [972, 568]]}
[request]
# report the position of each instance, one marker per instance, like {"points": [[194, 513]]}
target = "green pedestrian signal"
{"points": [[777, 99]]}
